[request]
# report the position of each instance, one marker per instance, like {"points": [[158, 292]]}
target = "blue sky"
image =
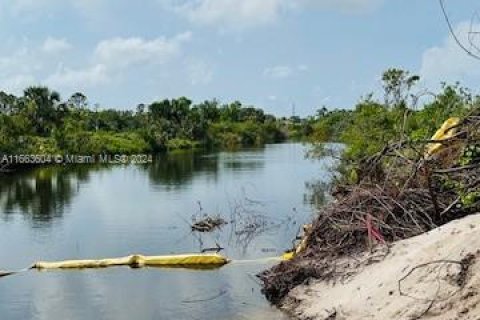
{"points": [[270, 53]]}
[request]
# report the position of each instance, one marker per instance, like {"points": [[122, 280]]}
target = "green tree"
{"points": [[42, 105], [397, 85], [78, 100]]}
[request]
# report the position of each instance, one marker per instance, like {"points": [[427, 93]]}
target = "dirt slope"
{"points": [[439, 290]]}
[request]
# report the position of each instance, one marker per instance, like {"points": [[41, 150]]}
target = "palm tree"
{"points": [[45, 103]]}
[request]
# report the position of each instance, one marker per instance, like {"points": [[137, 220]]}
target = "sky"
{"points": [[274, 54]]}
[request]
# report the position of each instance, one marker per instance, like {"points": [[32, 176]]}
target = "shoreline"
{"points": [[14, 165], [417, 279]]}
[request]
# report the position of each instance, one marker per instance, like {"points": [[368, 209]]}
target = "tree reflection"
{"points": [[317, 193], [42, 194], [177, 169], [240, 165]]}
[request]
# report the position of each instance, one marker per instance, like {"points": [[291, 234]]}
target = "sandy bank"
{"points": [[440, 290]]}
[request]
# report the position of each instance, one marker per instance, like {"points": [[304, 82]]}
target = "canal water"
{"points": [[57, 213]]}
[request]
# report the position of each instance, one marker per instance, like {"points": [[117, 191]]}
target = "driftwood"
{"points": [[208, 224], [459, 279]]}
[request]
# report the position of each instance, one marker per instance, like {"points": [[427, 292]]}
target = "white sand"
{"points": [[374, 294]]}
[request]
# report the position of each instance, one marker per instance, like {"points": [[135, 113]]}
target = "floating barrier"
{"points": [[192, 261], [187, 261], [289, 255]]}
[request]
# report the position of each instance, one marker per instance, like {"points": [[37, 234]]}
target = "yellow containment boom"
{"points": [[190, 261], [289, 255], [302, 246], [187, 261], [446, 131]]}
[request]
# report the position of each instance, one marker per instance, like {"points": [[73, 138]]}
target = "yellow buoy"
{"points": [[184, 260]]}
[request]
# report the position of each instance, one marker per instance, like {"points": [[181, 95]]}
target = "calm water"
{"points": [[99, 212]]}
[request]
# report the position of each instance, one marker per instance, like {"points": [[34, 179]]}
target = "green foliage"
{"points": [[85, 142], [470, 198], [43, 109], [372, 124], [471, 154], [371, 128], [39, 122], [231, 135], [331, 125], [397, 84], [469, 195], [453, 101], [299, 129], [181, 144], [40, 145]]}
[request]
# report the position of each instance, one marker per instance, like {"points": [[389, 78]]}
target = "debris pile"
{"points": [[408, 188], [208, 224]]}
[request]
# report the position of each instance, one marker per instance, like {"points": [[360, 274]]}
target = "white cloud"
{"points": [[124, 52], [78, 79], [110, 59], [238, 14], [17, 70], [345, 6], [29, 6], [113, 56], [20, 6], [88, 5], [284, 71], [278, 72], [231, 12], [200, 73], [16, 83], [54, 45], [448, 62], [302, 67]]}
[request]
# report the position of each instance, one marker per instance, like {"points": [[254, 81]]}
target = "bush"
{"points": [[181, 144], [106, 143]]}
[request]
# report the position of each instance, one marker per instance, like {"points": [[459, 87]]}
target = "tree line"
{"points": [[40, 122]]}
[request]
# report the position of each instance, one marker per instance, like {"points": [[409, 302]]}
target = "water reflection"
{"points": [[43, 194], [244, 164], [177, 169], [317, 193], [118, 210], [173, 171]]}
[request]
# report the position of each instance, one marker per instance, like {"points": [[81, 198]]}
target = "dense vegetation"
{"points": [[372, 123], [39, 122]]}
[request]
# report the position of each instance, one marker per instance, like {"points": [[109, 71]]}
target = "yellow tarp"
{"points": [[446, 131], [184, 260]]}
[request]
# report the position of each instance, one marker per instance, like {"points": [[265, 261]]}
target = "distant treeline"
{"points": [[39, 122]]}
